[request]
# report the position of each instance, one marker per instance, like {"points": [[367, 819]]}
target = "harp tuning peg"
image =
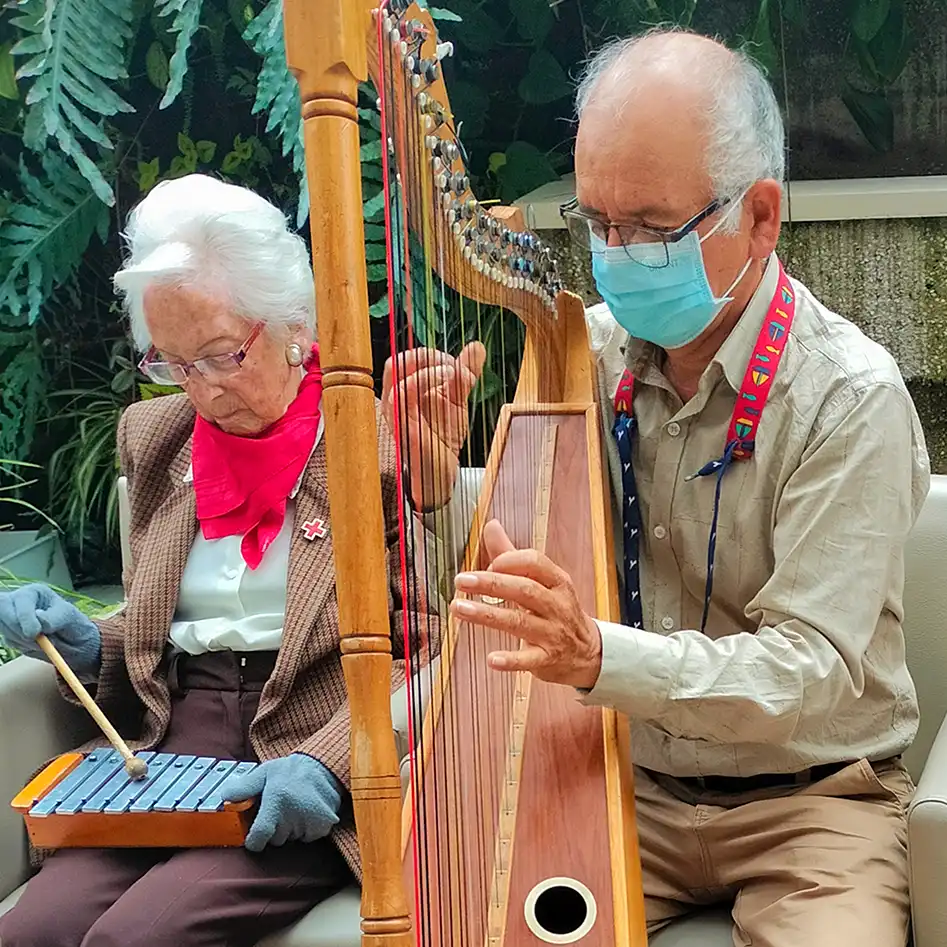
{"points": [[443, 50], [415, 29]]}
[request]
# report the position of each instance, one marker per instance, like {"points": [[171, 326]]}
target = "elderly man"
{"points": [[767, 464]]}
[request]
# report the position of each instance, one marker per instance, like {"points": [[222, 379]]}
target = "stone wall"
{"points": [[888, 276]]}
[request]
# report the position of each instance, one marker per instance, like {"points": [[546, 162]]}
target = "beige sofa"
{"points": [[36, 724]]}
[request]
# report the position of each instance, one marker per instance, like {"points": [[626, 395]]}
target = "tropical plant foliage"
{"points": [[98, 103]]}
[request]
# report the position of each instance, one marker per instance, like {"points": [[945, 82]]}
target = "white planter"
{"points": [[26, 554]]}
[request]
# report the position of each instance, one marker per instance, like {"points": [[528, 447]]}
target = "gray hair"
{"points": [[747, 137], [196, 230]]}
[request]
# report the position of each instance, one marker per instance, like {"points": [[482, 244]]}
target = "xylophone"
{"points": [[90, 801]]}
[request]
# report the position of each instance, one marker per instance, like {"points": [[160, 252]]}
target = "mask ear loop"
{"points": [[746, 266]]}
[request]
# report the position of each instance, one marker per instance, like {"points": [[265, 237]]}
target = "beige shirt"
{"points": [[803, 658]]}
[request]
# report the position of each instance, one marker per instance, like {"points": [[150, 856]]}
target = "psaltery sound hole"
{"points": [[560, 911]]}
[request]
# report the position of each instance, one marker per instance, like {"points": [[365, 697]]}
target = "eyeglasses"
{"points": [[210, 367], [587, 230]]}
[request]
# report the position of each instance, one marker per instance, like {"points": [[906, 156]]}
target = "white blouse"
{"points": [[223, 604]]}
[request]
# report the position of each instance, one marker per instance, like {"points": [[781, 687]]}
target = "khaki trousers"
{"points": [[821, 866]]}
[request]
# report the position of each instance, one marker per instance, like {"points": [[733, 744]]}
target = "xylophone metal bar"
{"points": [[99, 784], [91, 802]]}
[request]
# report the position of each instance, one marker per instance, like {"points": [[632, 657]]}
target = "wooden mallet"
{"points": [[136, 768]]}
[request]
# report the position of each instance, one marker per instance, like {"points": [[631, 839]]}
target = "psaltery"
{"points": [[518, 823]]}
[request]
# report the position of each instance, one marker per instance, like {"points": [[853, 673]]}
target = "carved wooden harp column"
{"points": [[550, 817]]}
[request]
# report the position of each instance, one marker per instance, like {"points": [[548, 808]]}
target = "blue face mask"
{"points": [[670, 305]]}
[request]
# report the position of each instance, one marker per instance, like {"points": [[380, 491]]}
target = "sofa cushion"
{"points": [[712, 928], [10, 900], [334, 923]]}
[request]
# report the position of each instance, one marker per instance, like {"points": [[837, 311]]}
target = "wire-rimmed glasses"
{"points": [[209, 367], [644, 245]]}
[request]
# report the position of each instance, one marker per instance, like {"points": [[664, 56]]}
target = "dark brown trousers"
{"points": [[189, 898]]}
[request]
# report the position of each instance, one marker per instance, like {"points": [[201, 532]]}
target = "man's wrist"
{"points": [[591, 666]]}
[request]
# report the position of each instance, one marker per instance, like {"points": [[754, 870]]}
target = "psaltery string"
{"points": [[467, 843], [391, 234]]}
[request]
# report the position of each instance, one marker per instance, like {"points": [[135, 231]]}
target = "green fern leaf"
{"points": [[43, 237], [76, 51], [278, 93], [186, 21], [23, 382]]}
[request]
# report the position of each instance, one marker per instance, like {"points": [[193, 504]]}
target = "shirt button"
{"points": [[231, 574], [660, 532], [674, 429], [667, 623]]}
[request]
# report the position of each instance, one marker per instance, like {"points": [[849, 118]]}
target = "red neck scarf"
{"points": [[242, 483]]}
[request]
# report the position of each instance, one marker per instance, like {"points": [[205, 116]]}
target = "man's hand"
{"points": [[561, 643], [432, 393]]}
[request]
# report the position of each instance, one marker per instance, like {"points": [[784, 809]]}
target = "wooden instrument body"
{"points": [[544, 795], [87, 801]]}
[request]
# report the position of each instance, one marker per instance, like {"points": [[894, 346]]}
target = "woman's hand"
{"points": [[35, 609], [432, 394], [299, 800]]}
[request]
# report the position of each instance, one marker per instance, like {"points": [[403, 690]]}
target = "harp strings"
{"points": [[462, 752]]}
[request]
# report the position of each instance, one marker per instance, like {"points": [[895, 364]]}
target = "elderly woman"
{"points": [[229, 643]]}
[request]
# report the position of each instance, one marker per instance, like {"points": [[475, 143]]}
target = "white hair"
{"points": [[747, 138], [196, 230]]}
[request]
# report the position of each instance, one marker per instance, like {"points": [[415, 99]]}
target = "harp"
{"points": [[518, 827]]}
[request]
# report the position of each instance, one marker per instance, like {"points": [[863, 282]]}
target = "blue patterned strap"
{"points": [[624, 431]]}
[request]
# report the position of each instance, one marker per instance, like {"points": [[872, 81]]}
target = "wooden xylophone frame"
{"points": [[88, 801]]}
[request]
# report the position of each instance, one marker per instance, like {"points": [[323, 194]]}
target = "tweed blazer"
{"points": [[303, 707]]}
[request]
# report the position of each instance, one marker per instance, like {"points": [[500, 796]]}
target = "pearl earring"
{"points": [[294, 354]]}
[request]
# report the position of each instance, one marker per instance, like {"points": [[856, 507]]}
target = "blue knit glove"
{"points": [[27, 611], [300, 800]]}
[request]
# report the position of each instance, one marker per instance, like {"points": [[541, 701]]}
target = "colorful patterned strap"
{"points": [[760, 370], [762, 366]]}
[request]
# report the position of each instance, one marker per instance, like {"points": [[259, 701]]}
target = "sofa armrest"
{"points": [[36, 724], [927, 848]]}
